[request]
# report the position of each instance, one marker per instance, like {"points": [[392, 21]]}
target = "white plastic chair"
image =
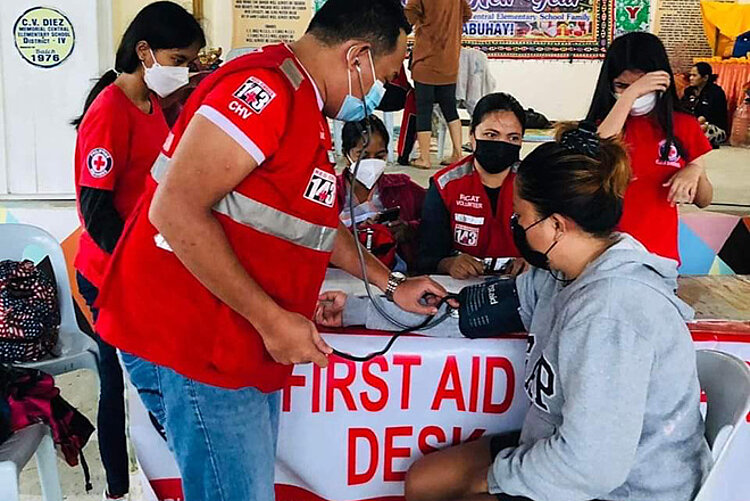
{"points": [[74, 350], [17, 451], [726, 381]]}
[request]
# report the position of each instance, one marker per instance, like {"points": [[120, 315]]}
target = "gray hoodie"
{"points": [[612, 379]]}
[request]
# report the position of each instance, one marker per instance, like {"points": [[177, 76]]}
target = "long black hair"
{"points": [[644, 52], [565, 179], [163, 25]]}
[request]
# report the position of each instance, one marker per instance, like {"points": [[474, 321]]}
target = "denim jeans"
{"points": [[224, 440], [110, 421]]}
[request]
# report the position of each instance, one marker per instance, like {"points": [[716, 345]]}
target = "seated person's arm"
{"points": [[485, 310], [336, 309]]}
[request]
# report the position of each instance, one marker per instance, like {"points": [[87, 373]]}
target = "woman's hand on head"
{"points": [[656, 81]]}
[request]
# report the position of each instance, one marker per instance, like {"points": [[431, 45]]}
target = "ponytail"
{"points": [[107, 79], [162, 25], [579, 176]]}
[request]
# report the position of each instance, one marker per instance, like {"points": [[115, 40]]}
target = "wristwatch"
{"points": [[395, 279]]}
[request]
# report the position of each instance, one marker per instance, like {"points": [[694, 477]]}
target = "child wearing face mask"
{"points": [[467, 210], [120, 134], [376, 192], [635, 98]]}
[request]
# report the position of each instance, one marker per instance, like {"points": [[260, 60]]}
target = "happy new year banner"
{"points": [[543, 29]]}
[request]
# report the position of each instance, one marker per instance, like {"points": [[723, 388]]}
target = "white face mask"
{"points": [[164, 80], [644, 104], [370, 170]]}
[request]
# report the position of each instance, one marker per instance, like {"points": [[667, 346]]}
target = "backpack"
{"points": [[535, 120], [29, 312]]}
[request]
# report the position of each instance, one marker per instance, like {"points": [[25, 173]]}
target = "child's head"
{"points": [[352, 140], [373, 157]]}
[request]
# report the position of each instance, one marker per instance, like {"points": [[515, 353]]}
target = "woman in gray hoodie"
{"points": [[610, 370]]}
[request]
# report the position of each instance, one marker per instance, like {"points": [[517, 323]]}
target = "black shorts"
{"points": [[503, 441]]}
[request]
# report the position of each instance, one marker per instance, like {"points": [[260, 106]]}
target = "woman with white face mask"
{"points": [[635, 97], [376, 192], [120, 134]]}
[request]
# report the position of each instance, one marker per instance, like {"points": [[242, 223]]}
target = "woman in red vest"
{"points": [[636, 98], [467, 209], [120, 133]]}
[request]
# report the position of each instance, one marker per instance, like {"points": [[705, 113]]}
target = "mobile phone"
{"points": [[494, 265], [389, 215]]}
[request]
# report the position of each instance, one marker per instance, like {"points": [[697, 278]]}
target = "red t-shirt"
{"points": [[116, 146], [647, 214]]}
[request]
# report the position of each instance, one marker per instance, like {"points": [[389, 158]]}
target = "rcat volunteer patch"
{"points": [[322, 188], [99, 162], [255, 94]]}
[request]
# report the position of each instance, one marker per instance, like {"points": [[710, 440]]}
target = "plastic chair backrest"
{"points": [[726, 381], [23, 241]]}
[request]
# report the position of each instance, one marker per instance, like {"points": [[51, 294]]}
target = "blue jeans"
{"points": [[224, 440]]}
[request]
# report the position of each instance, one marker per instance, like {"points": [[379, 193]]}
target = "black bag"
{"points": [[4, 418], [535, 120], [29, 312]]}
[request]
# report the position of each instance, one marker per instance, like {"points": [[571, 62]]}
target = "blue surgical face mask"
{"points": [[352, 109]]}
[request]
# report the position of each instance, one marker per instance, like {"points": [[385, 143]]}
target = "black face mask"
{"points": [[496, 156], [533, 257]]}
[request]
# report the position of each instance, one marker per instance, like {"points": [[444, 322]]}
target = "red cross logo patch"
{"points": [[99, 162]]}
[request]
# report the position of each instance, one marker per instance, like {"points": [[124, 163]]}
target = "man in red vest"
{"points": [[210, 292]]}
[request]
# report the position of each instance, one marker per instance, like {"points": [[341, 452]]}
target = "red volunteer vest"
{"points": [[475, 228], [281, 222]]}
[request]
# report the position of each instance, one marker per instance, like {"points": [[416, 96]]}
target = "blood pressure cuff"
{"points": [[489, 309]]}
